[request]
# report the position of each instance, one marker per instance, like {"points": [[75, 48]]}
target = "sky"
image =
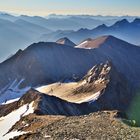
{"points": [[92, 7]]}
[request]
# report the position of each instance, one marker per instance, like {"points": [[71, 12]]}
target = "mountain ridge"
{"points": [[123, 29]]}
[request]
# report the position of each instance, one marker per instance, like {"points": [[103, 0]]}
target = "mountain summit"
{"points": [[107, 40], [65, 41]]}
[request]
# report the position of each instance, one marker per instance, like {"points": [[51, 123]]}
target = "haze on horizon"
{"points": [[92, 7]]}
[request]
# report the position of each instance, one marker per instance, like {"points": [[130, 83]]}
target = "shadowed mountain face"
{"points": [[44, 63], [17, 35], [103, 87], [128, 31], [113, 91]]}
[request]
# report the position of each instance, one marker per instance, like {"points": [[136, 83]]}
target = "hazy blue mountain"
{"points": [[16, 35], [34, 28], [109, 19], [7, 16], [19, 31], [128, 31], [70, 23], [73, 22]]}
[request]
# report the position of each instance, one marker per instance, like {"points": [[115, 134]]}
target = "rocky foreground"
{"points": [[104, 125]]}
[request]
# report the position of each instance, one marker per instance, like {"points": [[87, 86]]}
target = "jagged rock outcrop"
{"points": [[116, 92]]}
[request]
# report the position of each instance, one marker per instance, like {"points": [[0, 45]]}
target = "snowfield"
{"points": [[12, 135], [8, 121], [10, 101], [11, 92], [82, 45]]}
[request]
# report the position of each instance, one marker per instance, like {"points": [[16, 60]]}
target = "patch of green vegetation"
{"points": [[132, 123], [133, 112]]}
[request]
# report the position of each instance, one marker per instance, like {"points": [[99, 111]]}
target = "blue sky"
{"points": [[95, 7]]}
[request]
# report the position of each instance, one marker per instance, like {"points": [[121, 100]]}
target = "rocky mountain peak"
{"points": [[97, 42], [122, 22], [65, 41], [102, 27]]}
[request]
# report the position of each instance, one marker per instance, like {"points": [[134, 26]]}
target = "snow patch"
{"points": [[12, 91], [30, 109], [82, 45], [8, 121], [10, 101], [13, 134]]}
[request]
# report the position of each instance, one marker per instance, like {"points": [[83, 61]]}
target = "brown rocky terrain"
{"points": [[92, 43], [100, 125]]}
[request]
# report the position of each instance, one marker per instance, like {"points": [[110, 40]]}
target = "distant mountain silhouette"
{"points": [[21, 31], [128, 31], [17, 35]]}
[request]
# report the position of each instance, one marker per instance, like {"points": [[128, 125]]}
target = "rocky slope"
{"points": [[100, 125]]}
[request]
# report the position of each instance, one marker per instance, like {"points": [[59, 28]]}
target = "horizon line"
{"points": [[67, 14]]}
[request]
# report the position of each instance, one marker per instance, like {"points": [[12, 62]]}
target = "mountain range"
{"points": [[69, 84], [25, 30], [45, 63], [128, 31], [22, 32]]}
